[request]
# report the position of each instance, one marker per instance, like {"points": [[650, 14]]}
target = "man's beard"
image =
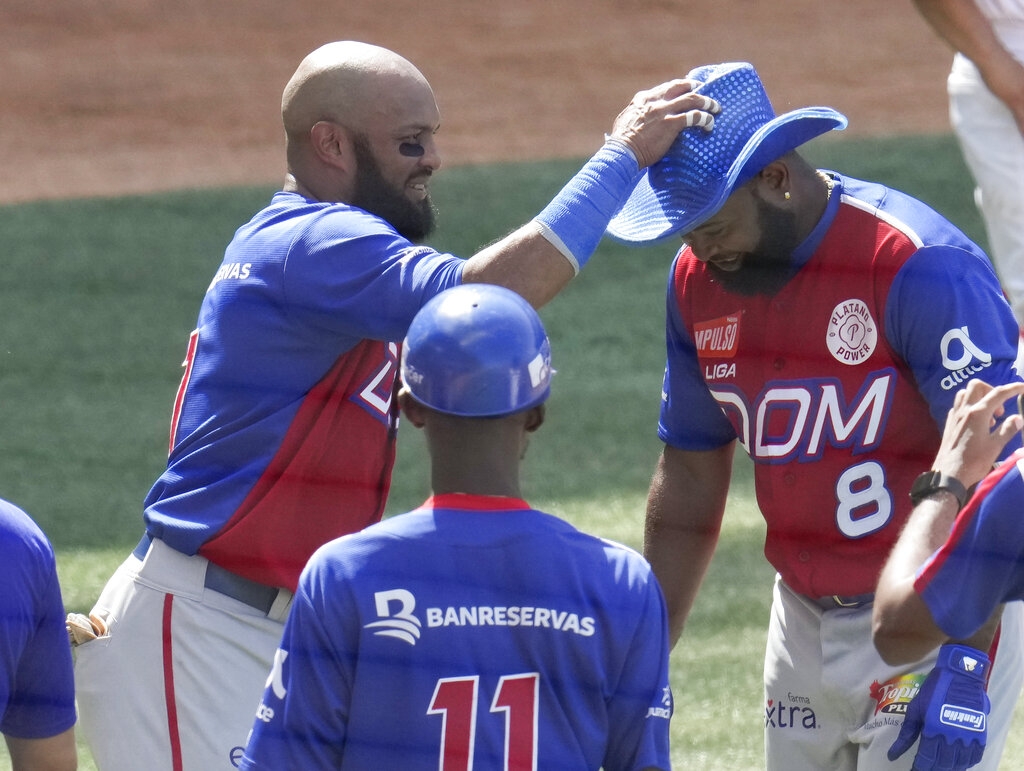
{"points": [[766, 269], [414, 221]]}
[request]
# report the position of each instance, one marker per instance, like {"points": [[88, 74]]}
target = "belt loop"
{"points": [[282, 604]]}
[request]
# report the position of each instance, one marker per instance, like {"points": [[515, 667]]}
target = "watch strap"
{"points": [[932, 482]]}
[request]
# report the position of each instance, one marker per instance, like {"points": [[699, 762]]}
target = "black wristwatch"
{"points": [[932, 481]]}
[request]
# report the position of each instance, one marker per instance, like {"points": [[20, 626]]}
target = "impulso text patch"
{"points": [[717, 338]]}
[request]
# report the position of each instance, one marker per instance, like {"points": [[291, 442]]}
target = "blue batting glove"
{"points": [[950, 713]]}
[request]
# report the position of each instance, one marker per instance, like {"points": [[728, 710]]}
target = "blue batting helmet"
{"points": [[477, 350]]}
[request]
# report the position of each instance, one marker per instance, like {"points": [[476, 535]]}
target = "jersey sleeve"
{"points": [[354, 275], [40, 680], [948, 318], [690, 419], [981, 565], [640, 709], [302, 719]]}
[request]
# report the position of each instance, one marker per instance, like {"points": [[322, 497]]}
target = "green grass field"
{"points": [[99, 297]]}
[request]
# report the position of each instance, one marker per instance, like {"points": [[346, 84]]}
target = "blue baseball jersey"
{"points": [[838, 384], [282, 435], [981, 565], [473, 632], [37, 690]]}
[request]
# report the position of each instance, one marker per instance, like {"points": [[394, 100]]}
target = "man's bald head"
{"points": [[359, 122], [346, 82]]}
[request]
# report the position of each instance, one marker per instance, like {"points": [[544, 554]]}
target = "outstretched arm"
{"points": [[540, 258]]}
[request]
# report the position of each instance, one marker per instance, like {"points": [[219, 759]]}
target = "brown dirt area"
{"points": [[108, 97]]}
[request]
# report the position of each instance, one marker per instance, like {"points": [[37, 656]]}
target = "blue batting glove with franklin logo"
{"points": [[950, 713]]}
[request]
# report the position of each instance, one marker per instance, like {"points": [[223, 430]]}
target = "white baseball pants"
{"points": [[831, 702], [175, 683]]}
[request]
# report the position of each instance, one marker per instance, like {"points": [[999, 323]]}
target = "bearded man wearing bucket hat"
{"points": [[824, 324], [474, 628]]}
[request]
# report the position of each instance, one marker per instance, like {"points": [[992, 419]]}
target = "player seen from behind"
{"points": [[475, 631]]}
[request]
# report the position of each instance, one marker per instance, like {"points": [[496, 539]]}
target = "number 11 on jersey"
{"points": [[455, 699]]}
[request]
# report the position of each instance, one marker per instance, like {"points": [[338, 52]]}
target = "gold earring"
{"points": [[787, 195]]}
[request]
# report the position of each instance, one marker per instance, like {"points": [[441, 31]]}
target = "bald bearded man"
{"points": [[283, 429]]}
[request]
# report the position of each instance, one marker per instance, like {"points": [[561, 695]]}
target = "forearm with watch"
{"points": [[937, 497], [903, 627], [947, 490], [949, 714]]}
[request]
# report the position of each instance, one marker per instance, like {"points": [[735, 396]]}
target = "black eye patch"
{"points": [[411, 149]]}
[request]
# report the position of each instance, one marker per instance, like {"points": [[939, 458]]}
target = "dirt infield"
{"points": [[123, 96]]}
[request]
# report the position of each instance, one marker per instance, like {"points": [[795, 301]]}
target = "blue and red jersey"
{"points": [[837, 385], [37, 686], [474, 632], [283, 431], [981, 565]]}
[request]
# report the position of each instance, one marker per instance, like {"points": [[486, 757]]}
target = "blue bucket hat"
{"points": [[703, 168]]}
